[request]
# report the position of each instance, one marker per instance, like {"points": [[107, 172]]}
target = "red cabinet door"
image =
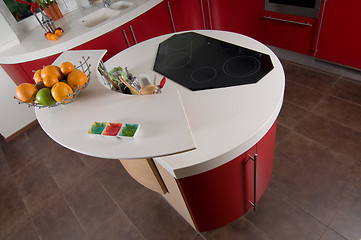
{"points": [[223, 194], [217, 197], [247, 17], [289, 32], [339, 39], [17, 73], [155, 22], [114, 42], [30, 67], [193, 14], [206, 14], [175, 12], [219, 14]]}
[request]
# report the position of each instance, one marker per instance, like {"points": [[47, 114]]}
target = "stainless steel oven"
{"points": [[303, 8]]}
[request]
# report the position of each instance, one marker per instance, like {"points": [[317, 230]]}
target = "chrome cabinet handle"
{"points": [[319, 29], [204, 20], [288, 21], [131, 30], [209, 14], [171, 16], [254, 159], [126, 38]]}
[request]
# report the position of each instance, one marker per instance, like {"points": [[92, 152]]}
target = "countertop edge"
{"points": [[89, 35]]}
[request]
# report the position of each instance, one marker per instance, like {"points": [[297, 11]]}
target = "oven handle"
{"points": [[289, 21]]}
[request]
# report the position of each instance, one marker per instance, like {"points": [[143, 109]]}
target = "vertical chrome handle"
{"points": [[254, 159], [319, 29], [131, 30], [126, 38], [171, 16], [204, 19], [210, 15]]}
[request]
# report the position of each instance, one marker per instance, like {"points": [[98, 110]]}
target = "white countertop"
{"points": [[243, 113], [33, 45]]}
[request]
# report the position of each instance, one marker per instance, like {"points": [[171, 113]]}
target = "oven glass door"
{"points": [[296, 3]]}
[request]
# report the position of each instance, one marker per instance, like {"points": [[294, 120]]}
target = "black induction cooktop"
{"points": [[199, 62]]}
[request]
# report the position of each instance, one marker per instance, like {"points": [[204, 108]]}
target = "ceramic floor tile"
{"points": [[198, 237], [282, 220], [311, 78], [290, 115], [336, 136], [35, 185], [242, 229], [313, 177], [113, 178], [341, 111], [281, 133], [115, 228], [347, 222], [348, 90], [20, 152], [156, 219], [97, 212], [332, 235], [55, 220], [302, 96], [21, 229]]}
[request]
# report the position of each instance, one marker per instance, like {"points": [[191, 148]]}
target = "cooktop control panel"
{"points": [[199, 62]]}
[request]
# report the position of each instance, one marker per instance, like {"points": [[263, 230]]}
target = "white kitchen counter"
{"points": [[224, 122], [34, 45]]}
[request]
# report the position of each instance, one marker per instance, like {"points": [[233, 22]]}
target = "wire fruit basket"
{"points": [[84, 66]]}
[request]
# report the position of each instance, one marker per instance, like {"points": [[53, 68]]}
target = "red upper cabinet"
{"points": [[206, 14], [339, 39], [289, 32], [247, 17]]}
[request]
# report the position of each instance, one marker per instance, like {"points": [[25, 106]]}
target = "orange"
{"points": [[37, 76], [52, 36], [66, 67], [60, 91], [58, 32], [76, 79], [48, 35], [50, 80], [51, 70], [26, 92]]}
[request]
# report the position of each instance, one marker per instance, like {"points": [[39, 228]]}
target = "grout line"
{"points": [[131, 222], [325, 95]]}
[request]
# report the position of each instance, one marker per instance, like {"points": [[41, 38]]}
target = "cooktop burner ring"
{"points": [[204, 74], [241, 66]]}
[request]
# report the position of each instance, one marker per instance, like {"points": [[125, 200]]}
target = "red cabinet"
{"points": [[247, 17], [339, 39], [155, 22], [223, 194], [114, 42], [289, 32], [206, 14], [175, 13], [17, 73]]}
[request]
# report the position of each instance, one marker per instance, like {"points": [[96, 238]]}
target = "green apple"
{"points": [[43, 97]]}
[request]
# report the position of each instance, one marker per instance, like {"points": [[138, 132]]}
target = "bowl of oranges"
{"points": [[55, 85]]}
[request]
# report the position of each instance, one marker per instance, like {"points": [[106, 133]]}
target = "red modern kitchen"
{"points": [[181, 119]]}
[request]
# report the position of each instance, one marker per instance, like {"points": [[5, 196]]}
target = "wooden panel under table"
{"points": [[145, 172]]}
